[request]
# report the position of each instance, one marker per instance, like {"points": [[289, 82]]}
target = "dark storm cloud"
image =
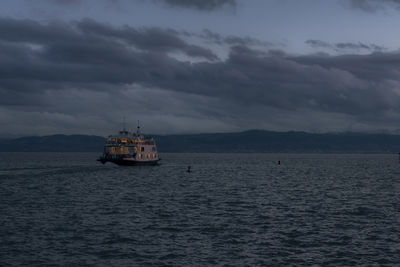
{"points": [[287, 84], [88, 32], [374, 68], [346, 47], [374, 5], [57, 57], [65, 2], [150, 39], [233, 40], [203, 5], [318, 44], [38, 57]]}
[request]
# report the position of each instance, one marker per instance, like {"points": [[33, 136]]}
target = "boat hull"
{"points": [[129, 162]]}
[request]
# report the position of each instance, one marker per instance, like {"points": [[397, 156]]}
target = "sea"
{"points": [[67, 209]]}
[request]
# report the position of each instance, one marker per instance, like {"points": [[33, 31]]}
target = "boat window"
{"points": [[142, 149]]}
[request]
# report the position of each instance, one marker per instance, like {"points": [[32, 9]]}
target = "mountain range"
{"points": [[254, 141]]}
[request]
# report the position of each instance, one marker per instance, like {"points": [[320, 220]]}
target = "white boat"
{"points": [[128, 148]]}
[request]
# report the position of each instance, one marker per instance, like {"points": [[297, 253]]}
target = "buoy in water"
{"points": [[189, 169], [279, 162]]}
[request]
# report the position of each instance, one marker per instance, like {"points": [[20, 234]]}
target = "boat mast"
{"points": [[138, 128]]}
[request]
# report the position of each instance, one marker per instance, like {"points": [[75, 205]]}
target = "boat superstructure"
{"points": [[127, 148]]}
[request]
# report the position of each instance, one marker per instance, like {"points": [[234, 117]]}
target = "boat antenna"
{"points": [[138, 128]]}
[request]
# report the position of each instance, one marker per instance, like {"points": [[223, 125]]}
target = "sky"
{"points": [[199, 66]]}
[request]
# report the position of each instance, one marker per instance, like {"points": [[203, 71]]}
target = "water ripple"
{"points": [[232, 210]]}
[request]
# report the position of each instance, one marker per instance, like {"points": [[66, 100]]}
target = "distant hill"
{"points": [[54, 143], [249, 141], [290, 142]]}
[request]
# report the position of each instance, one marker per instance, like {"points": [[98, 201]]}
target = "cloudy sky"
{"points": [[195, 66]]}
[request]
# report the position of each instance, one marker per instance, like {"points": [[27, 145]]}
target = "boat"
{"points": [[127, 148]]}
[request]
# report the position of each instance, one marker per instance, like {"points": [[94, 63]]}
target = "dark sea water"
{"points": [[233, 210]]}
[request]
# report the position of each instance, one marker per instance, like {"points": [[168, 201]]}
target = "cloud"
{"points": [[202, 5], [199, 5], [150, 39], [87, 32], [346, 47], [90, 71], [374, 5], [66, 2], [220, 39], [318, 44]]}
